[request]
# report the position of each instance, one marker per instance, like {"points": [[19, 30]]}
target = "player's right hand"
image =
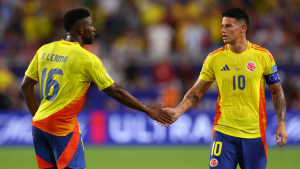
{"points": [[160, 115], [173, 112]]}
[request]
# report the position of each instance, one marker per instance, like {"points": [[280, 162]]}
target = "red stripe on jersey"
{"points": [[262, 115], [214, 52], [218, 113], [42, 163], [264, 50], [101, 62], [218, 50], [64, 121], [69, 151]]}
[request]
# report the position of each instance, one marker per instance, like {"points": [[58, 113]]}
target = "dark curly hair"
{"points": [[238, 14], [74, 15]]}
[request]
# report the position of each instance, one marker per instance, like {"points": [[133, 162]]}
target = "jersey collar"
{"points": [[248, 47], [68, 43]]}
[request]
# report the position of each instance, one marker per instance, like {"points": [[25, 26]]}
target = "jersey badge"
{"points": [[225, 68], [213, 162], [274, 68], [251, 66]]}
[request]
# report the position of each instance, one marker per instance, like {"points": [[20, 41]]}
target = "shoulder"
{"points": [[47, 46], [91, 58], [262, 51], [216, 53]]}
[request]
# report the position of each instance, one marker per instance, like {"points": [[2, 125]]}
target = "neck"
{"points": [[239, 46], [74, 38]]}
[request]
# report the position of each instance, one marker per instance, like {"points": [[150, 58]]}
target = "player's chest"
{"points": [[244, 68]]}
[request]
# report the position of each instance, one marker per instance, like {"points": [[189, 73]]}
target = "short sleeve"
{"points": [[95, 71], [207, 72], [32, 70], [270, 71]]}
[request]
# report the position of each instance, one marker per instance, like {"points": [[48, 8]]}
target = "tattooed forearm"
{"points": [[279, 101], [193, 97], [206, 84]]}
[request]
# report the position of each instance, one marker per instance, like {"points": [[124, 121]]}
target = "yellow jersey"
{"points": [[64, 71], [240, 78]]}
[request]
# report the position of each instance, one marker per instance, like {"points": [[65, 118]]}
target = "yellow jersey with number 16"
{"points": [[64, 71], [240, 78]]}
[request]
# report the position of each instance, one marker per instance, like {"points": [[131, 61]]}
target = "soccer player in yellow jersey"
{"points": [[240, 70], [64, 71]]}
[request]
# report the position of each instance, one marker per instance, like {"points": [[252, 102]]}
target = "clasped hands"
{"points": [[164, 116]]}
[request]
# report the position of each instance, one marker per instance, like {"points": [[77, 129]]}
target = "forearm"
{"points": [[279, 102], [130, 101], [189, 100], [30, 100]]}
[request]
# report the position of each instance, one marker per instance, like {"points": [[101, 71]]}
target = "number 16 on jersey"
{"points": [[50, 82]]}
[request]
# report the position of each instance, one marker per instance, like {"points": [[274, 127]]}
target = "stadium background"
{"points": [[155, 50]]}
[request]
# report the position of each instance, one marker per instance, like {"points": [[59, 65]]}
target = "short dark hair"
{"points": [[74, 15], [238, 14]]}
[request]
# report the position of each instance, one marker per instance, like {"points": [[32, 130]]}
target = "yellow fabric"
{"points": [[78, 67], [239, 105]]}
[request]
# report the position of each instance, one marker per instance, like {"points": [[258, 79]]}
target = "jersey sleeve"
{"points": [[95, 71], [32, 70], [270, 71], [207, 72]]}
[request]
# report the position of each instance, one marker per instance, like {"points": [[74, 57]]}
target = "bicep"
{"points": [[113, 90], [28, 82]]}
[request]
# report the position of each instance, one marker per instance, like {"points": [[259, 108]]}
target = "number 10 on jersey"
{"points": [[241, 82], [50, 82]]}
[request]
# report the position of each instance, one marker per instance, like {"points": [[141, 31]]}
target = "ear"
{"points": [[244, 28], [80, 29]]}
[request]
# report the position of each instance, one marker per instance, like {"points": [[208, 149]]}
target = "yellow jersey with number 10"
{"points": [[240, 78], [64, 71]]}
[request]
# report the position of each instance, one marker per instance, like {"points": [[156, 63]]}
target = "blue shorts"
{"points": [[58, 152], [227, 151]]}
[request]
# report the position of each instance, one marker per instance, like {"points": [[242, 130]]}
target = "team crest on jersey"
{"points": [[213, 162], [250, 66]]}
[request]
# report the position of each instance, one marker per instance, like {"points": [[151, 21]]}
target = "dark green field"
{"points": [[146, 157]]}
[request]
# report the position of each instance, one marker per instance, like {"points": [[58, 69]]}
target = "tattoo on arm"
{"points": [[279, 101], [193, 97], [200, 88]]}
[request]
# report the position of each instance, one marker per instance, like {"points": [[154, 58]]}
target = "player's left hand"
{"points": [[281, 132], [171, 111]]}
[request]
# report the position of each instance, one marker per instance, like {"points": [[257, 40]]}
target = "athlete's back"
{"points": [[64, 71]]}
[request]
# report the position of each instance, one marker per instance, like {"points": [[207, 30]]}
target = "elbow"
{"points": [[25, 87], [118, 95]]}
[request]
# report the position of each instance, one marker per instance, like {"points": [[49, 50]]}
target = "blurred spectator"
{"points": [[187, 75], [170, 95], [159, 41], [163, 72], [141, 40], [9, 93]]}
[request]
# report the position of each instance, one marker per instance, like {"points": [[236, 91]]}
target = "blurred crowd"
{"points": [[148, 44]]}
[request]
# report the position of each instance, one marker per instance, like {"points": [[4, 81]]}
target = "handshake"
{"points": [[164, 116]]}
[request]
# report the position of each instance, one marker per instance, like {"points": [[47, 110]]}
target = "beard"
{"points": [[88, 40]]}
